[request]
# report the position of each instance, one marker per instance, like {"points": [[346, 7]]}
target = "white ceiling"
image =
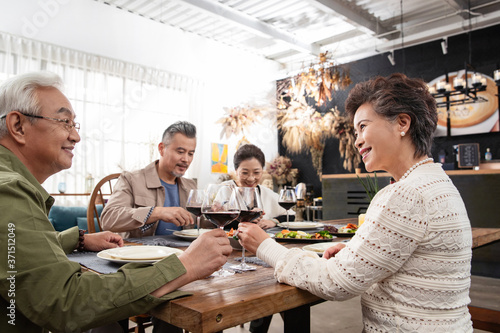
{"points": [[294, 32]]}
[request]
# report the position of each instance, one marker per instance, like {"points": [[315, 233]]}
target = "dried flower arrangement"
{"points": [[304, 129], [240, 118], [321, 80], [342, 129], [281, 170]]}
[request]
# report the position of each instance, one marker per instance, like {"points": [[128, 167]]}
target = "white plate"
{"points": [[318, 248], [300, 225], [140, 253], [189, 233]]}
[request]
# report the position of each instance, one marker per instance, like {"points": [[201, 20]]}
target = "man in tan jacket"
{"points": [[152, 201]]}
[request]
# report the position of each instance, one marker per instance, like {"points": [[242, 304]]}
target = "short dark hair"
{"points": [[247, 152], [394, 95], [185, 128]]}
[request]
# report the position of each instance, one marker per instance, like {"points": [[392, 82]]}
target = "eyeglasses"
{"points": [[68, 124]]}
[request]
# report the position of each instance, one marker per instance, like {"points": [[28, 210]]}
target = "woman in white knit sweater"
{"points": [[410, 260]]}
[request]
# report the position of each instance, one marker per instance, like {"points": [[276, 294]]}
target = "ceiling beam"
{"points": [[355, 15], [254, 25], [461, 6]]}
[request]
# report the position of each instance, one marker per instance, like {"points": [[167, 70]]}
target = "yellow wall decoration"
{"points": [[219, 158]]}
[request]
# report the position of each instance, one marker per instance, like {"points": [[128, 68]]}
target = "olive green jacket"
{"points": [[40, 288]]}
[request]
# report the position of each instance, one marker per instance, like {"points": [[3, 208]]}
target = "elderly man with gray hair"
{"points": [[40, 288]]}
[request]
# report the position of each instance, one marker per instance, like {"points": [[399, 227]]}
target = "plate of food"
{"points": [[318, 248], [348, 230], [139, 253], [300, 236], [300, 225], [189, 234]]}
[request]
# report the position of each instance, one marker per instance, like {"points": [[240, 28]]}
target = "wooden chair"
{"points": [[98, 198], [103, 189]]}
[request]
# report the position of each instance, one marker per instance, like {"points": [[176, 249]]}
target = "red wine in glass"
{"points": [[286, 205], [249, 215], [221, 207], [193, 204], [287, 200], [195, 210], [220, 219]]}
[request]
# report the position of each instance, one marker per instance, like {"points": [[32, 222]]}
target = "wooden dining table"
{"points": [[221, 303], [218, 303]]}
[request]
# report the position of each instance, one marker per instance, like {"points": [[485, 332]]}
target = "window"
{"points": [[123, 108]]}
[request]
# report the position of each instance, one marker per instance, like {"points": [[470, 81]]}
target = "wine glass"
{"points": [[193, 204], [287, 200], [221, 206], [251, 209]]}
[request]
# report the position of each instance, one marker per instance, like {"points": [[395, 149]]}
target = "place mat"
{"points": [[163, 240], [91, 261], [254, 260]]}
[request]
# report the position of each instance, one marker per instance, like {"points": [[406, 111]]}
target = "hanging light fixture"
{"points": [[464, 89]]}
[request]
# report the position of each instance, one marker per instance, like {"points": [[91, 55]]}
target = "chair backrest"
{"points": [[97, 198]]}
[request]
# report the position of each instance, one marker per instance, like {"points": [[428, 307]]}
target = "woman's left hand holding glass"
{"points": [[251, 236]]}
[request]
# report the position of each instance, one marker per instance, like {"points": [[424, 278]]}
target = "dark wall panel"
{"points": [[425, 61]]}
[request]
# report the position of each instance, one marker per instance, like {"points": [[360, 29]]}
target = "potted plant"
{"points": [[371, 188]]}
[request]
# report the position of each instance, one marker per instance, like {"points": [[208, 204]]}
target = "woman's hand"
{"points": [[251, 235], [332, 251], [266, 224]]}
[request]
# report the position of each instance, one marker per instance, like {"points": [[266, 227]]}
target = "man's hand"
{"points": [[206, 254], [176, 215], [102, 241], [251, 235], [332, 251]]}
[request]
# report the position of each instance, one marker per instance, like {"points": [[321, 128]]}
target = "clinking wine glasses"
{"points": [[250, 209], [287, 200], [221, 206]]}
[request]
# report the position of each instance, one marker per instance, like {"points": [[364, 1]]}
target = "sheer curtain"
{"points": [[123, 108]]}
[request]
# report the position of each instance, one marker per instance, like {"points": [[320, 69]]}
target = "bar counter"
{"points": [[345, 197]]}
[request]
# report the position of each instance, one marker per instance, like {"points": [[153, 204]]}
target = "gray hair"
{"points": [[183, 127], [19, 94]]}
